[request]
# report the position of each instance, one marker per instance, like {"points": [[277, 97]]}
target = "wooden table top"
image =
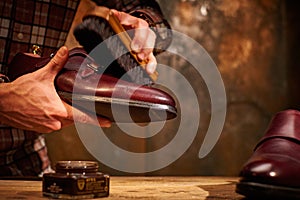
{"points": [[123, 188]]}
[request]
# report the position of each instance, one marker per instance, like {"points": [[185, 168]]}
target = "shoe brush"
{"points": [[96, 29]]}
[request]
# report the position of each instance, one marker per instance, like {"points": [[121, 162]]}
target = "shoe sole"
{"points": [[121, 110], [255, 190]]}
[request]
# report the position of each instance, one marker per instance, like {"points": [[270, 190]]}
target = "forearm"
{"points": [[5, 102]]}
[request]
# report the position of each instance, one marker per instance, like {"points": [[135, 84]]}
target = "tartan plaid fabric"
{"points": [[46, 23], [23, 24], [22, 153], [33, 22], [130, 5]]}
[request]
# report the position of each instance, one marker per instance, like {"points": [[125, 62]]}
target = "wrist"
{"points": [[4, 92]]}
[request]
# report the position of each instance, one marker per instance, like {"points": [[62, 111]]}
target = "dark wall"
{"points": [[256, 48], [293, 51]]}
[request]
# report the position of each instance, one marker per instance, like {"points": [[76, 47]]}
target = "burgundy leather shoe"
{"points": [[83, 83], [273, 171]]}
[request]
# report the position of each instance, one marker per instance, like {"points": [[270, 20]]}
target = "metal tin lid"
{"points": [[76, 167]]}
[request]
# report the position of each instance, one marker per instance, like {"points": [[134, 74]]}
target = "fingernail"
{"points": [[106, 124], [135, 46], [151, 68], [141, 56], [62, 51]]}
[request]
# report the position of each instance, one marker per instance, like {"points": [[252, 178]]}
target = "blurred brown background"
{"points": [[255, 46]]}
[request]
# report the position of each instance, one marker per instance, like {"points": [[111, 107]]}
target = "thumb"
{"points": [[58, 61]]}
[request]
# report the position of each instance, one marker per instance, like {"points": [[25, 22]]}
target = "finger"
{"points": [[148, 44], [141, 29], [50, 127], [140, 40], [102, 122], [129, 20], [75, 114], [47, 127], [58, 61], [151, 65]]}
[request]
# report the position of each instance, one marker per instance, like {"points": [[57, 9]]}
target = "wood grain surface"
{"points": [[157, 188]]}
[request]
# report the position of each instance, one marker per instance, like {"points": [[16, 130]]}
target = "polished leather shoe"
{"points": [[86, 85], [273, 171]]}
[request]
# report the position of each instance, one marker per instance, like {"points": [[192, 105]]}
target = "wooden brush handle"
{"points": [[125, 38]]}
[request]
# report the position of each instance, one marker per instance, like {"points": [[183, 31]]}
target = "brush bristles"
{"points": [[95, 30]]}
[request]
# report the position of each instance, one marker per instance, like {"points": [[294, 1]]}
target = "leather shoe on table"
{"points": [[273, 171]]}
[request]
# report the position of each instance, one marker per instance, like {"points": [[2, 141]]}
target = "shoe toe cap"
{"points": [[273, 169]]}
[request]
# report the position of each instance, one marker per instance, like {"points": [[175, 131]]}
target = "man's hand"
{"points": [[143, 41], [32, 103]]}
